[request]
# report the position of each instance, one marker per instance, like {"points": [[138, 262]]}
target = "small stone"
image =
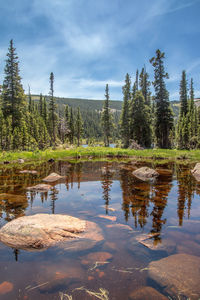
{"points": [[110, 218], [33, 172], [6, 287], [90, 278], [120, 226], [101, 274], [40, 188], [20, 161], [145, 173], [147, 293], [52, 177]]}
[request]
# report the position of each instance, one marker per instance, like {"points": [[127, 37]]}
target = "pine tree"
{"points": [[52, 112], [163, 113], [136, 84], [78, 127], [140, 123], [124, 119], [41, 105], [183, 95], [106, 118], [67, 122], [192, 119], [183, 121], [145, 86], [13, 97], [71, 127]]}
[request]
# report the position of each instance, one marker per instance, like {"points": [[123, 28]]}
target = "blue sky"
{"points": [[88, 43]]}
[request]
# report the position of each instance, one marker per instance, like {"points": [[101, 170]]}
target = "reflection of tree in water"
{"points": [[16, 253], [159, 199], [135, 197], [53, 197], [79, 173], [13, 206], [138, 195], [186, 189], [106, 184]]}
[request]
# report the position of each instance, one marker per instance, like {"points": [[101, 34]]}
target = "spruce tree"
{"points": [[78, 127], [106, 118], [52, 112], [71, 126], [140, 123], [41, 105], [183, 95], [183, 121], [13, 97], [163, 112], [145, 86], [124, 119]]}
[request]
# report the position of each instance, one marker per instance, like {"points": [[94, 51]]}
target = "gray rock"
{"points": [[20, 161], [196, 172], [52, 177], [179, 274], [145, 173], [33, 172], [40, 188]]}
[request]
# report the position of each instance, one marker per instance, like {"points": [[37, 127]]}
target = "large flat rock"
{"points": [[179, 274], [41, 231]]}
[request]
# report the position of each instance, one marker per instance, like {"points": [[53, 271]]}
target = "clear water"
{"points": [[165, 207]]}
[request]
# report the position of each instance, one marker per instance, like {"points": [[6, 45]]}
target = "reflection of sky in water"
{"points": [[159, 207]]}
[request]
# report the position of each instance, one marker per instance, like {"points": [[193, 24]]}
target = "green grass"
{"points": [[100, 152]]}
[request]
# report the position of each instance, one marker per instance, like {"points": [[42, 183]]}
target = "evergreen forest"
{"points": [[145, 118]]}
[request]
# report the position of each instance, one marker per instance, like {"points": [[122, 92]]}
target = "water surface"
{"points": [[164, 208]]}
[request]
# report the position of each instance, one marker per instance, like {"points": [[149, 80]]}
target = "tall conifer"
{"points": [[106, 118], [13, 97], [124, 119], [163, 113]]}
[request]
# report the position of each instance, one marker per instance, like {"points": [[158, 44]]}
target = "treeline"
{"points": [[146, 120]]}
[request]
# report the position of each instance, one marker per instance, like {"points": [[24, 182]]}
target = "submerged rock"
{"points": [[110, 218], [150, 241], [41, 231], [40, 188], [96, 257], [179, 274], [5, 287], [147, 293], [145, 173], [196, 172], [52, 177]]}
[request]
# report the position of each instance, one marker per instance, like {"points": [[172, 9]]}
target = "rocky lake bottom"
{"points": [[147, 233]]}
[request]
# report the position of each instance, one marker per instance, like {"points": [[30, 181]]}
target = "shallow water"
{"points": [[166, 208]]}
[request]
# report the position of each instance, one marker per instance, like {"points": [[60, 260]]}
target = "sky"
{"points": [[89, 43]]}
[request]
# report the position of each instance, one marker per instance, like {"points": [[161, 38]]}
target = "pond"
{"points": [[141, 222]]}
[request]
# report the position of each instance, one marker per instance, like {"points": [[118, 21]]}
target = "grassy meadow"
{"points": [[100, 152]]}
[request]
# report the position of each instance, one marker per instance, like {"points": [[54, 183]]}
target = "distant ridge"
{"points": [[84, 104]]}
